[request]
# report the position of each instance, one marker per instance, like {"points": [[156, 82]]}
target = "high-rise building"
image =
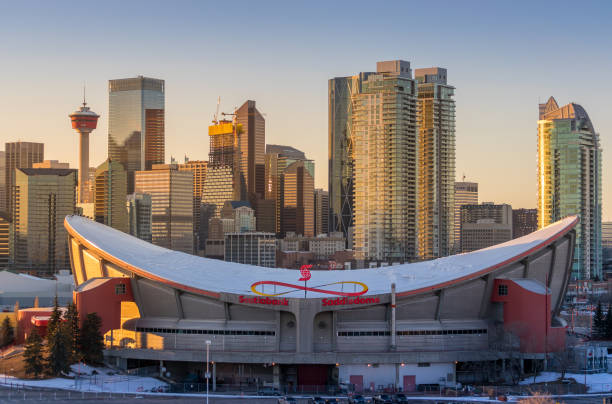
{"points": [[385, 168], [485, 225], [5, 237], [84, 121], [251, 248], [43, 197], [136, 119], [222, 181], [569, 180], [606, 244], [110, 195], [19, 155], [524, 221], [171, 193], [3, 182], [198, 168], [242, 214], [252, 147], [321, 207], [466, 193], [436, 121], [139, 216]]}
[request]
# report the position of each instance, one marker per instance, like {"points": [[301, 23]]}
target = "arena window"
{"points": [[205, 332], [502, 290], [411, 333]]}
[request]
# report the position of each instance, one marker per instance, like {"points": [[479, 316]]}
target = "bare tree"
{"points": [[564, 360]]}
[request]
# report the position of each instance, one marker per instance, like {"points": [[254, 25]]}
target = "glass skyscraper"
{"points": [[136, 136], [569, 180]]}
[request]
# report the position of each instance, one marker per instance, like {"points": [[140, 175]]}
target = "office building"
{"points": [[51, 164], [222, 181], [485, 225], [139, 212], [3, 182], [466, 193], [436, 162], [524, 221], [321, 215], [606, 243], [242, 215], [385, 149], [5, 238], [198, 169], [84, 121], [43, 197], [569, 180], [251, 248], [324, 246], [19, 155], [136, 124], [252, 148], [171, 193], [110, 195]]}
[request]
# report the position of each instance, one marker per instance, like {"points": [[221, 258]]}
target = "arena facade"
{"points": [[403, 325]]}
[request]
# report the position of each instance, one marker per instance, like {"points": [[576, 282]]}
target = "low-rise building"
{"points": [[253, 248]]}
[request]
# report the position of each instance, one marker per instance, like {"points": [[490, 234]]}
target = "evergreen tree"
{"points": [[608, 322], [73, 330], [599, 326], [7, 333], [92, 342], [33, 354], [56, 318], [58, 350]]}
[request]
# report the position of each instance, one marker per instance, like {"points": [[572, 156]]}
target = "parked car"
{"points": [[316, 400], [268, 391], [287, 400], [383, 399], [401, 398], [358, 399]]}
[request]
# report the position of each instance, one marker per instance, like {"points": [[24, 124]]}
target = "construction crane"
{"points": [[216, 118]]}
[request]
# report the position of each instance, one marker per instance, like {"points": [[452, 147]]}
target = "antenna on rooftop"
{"points": [[84, 102], [463, 178]]}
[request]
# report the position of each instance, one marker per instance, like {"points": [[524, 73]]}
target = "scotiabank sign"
{"points": [[264, 300], [344, 301]]}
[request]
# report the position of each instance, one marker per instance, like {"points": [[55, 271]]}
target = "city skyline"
{"points": [[520, 71]]}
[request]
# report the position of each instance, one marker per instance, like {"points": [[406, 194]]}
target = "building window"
{"points": [[120, 289], [502, 290]]}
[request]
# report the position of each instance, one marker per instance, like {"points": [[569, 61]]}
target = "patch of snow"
{"points": [[596, 382]]}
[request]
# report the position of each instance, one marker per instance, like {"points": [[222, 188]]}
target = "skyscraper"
{"points": [[171, 193], [466, 193], [110, 195], [139, 216], [252, 147], [3, 182], [199, 170], [385, 149], [569, 180], [19, 155], [43, 197], [436, 121], [136, 131], [321, 207], [5, 237], [524, 221]]}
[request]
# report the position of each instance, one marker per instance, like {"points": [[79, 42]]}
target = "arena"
{"points": [[402, 326]]}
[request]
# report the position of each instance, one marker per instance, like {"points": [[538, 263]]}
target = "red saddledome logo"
{"points": [[275, 288]]}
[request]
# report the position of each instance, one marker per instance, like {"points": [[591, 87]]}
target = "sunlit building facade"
{"points": [[198, 168], [252, 146], [43, 197], [19, 155], [5, 237], [110, 195], [136, 125], [385, 147], [171, 193], [569, 180], [436, 161], [139, 210]]}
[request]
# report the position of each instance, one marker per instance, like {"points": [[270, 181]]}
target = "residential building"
{"points": [[19, 155], [140, 217], [466, 193], [251, 248], [485, 225], [569, 180], [222, 181], [43, 197], [252, 147], [321, 214], [3, 182], [110, 195], [5, 238], [385, 150], [436, 157], [198, 169], [324, 247], [524, 221], [606, 235], [171, 193], [136, 124]]}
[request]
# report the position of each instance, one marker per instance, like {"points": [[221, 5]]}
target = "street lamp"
{"points": [[207, 375]]}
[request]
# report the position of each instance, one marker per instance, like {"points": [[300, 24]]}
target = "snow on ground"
{"points": [[596, 383], [88, 378]]}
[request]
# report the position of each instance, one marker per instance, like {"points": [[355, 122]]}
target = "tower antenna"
{"points": [[84, 102]]}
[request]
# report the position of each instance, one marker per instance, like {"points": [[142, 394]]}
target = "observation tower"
{"points": [[84, 121]]}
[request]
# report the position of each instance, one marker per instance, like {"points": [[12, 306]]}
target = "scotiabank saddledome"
{"points": [[403, 325]]}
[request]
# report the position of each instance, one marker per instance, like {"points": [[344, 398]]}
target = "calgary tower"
{"points": [[84, 121]]}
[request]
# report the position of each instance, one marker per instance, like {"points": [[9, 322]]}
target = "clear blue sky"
{"points": [[502, 56]]}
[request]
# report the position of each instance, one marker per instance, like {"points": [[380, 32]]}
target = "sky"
{"points": [[503, 57]]}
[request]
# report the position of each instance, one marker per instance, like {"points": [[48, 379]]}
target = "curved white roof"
{"points": [[199, 274]]}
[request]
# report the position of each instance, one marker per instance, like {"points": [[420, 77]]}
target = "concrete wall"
{"points": [[385, 375]]}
